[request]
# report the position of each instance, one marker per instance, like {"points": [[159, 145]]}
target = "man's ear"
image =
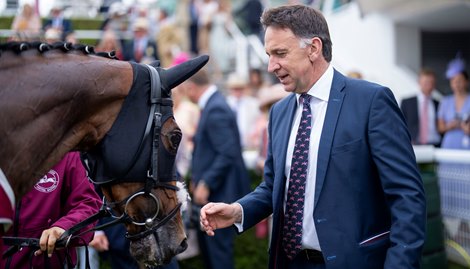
{"points": [[315, 49]]}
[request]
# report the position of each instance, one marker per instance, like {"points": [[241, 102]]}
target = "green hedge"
{"points": [[77, 23], [5, 22]]}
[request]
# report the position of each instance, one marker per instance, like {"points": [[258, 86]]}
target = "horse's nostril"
{"points": [[183, 246]]}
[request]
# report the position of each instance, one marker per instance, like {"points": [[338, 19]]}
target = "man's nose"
{"points": [[273, 65]]}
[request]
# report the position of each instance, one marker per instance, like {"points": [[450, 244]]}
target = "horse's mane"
{"points": [[42, 47]]}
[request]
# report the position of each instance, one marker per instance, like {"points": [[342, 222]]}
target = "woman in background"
{"points": [[27, 24], [454, 110]]}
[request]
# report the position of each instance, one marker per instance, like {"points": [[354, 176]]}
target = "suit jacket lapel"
{"points": [[286, 119], [335, 102]]}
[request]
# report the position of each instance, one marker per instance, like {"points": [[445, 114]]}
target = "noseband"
{"points": [[152, 179]]}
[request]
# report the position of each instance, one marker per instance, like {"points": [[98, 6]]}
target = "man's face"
{"points": [[237, 91], [140, 33], [287, 60], [190, 91], [427, 84]]}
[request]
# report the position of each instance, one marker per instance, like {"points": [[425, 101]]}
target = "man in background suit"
{"points": [[218, 171], [358, 200], [420, 111], [142, 48], [57, 22]]}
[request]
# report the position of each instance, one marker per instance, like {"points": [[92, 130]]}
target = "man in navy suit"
{"points": [[364, 205], [142, 48], [421, 120], [58, 22], [218, 171]]}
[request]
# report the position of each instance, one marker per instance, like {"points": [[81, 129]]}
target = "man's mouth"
{"points": [[282, 77]]}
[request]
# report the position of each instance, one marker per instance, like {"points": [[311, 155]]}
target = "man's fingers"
{"points": [[208, 229], [204, 219]]}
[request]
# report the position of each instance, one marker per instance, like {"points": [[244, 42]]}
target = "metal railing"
{"points": [[452, 168], [249, 50]]}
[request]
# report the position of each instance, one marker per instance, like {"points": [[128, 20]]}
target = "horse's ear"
{"points": [[175, 75]]}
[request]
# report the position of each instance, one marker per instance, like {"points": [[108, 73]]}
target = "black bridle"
{"points": [[152, 180]]}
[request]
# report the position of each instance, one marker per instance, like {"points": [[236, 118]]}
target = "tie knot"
{"points": [[305, 98]]}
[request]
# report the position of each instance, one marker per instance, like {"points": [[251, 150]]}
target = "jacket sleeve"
{"points": [[224, 140], [396, 163], [258, 204], [79, 197]]}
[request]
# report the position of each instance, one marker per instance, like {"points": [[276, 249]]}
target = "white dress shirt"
{"points": [[320, 92], [205, 96]]}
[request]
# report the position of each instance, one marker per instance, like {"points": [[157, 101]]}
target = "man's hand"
{"points": [[466, 126], [100, 242], [219, 215], [201, 193], [47, 241]]}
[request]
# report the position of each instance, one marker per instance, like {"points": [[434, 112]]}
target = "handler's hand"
{"points": [[100, 242], [48, 239], [219, 215], [201, 194]]}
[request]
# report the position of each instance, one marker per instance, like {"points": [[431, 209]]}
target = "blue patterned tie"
{"points": [[292, 230]]}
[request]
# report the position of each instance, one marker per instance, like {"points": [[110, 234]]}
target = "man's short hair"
{"points": [[304, 21]]}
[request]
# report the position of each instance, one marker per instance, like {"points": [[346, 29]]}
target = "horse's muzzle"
{"points": [[183, 246]]}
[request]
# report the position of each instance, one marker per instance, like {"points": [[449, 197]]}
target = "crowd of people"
{"points": [[142, 34], [345, 148], [443, 123]]}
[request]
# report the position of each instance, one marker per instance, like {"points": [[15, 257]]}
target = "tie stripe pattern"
{"points": [[292, 229]]}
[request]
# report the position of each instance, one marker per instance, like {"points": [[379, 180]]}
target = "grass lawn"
{"points": [[196, 262], [456, 266]]}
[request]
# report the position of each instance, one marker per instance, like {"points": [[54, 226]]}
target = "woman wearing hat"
{"points": [[454, 110]]}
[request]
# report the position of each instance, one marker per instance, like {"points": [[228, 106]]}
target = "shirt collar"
{"points": [[206, 95], [321, 88], [421, 96]]}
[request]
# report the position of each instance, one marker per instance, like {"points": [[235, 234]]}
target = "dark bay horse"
{"points": [[59, 97]]}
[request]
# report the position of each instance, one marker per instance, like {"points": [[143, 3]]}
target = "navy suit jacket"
{"points": [[217, 155], [367, 181], [66, 26], [409, 107], [151, 51]]}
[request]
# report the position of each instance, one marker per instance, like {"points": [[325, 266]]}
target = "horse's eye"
{"points": [[175, 138]]}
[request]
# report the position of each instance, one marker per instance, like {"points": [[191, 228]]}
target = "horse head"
{"points": [[135, 164], [61, 97]]}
